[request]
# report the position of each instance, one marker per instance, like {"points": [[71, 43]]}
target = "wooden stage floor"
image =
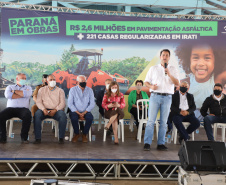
{"points": [[96, 150]]}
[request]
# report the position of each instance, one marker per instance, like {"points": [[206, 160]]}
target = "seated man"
{"points": [[81, 102], [216, 104], [17, 106], [34, 108], [169, 121], [182, 110], [51, 104]]}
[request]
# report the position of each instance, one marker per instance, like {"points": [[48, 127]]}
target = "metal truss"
{"points": [[66, 169], [106, 12]]}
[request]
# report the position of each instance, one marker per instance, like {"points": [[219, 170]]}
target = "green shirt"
{"points": [[133, 98]]}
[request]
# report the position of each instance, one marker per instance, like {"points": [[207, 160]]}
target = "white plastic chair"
{"points": [[120, 129], [222, 126], [144, 118], [54, 123], [174, 132], [10, 122], [131, 122], [72, 130]]}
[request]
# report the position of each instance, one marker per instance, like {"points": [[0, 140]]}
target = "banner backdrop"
{"points": [[104, 46]]}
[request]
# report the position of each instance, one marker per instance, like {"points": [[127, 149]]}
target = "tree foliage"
{"points": [[34, 70], [130, 68], [68, 60]]}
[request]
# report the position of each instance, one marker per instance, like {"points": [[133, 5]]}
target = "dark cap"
{"points": [[44, 76]]}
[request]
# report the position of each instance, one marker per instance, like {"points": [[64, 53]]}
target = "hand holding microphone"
{"points": [[165, 65]]}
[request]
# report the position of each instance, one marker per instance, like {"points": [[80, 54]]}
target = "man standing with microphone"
{"points": [[160, 80]]}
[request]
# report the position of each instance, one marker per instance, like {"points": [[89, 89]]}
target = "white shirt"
{"points": [[156, 75], [218, 99], [183, 102]]}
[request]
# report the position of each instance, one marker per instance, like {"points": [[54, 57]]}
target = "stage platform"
{"points": [[102, 159]]}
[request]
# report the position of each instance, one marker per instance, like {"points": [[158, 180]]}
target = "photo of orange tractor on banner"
{"points": [[95, 76]]}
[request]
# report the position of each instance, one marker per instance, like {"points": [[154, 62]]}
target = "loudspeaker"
{"points": [[203, 156]]}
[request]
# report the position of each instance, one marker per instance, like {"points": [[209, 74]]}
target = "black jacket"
{"points": [[99, 100], [215, 107], [175, 110]]}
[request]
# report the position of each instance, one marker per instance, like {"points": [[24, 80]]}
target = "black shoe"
{"points": [[162, 147], [61, 141], [24, 141], [146, 147], [3, 141], [37, 141]]}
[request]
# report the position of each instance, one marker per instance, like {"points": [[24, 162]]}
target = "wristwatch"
{"points": [[13, 91]]}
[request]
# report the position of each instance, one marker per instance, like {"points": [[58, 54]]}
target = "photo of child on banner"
{"points": [[204, 66]]}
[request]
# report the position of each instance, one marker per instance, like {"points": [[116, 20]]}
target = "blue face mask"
{"points": [[22, 82]]}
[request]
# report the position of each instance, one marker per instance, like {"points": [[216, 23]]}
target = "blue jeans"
{"points": [[208, 121], [157, 102], [75, 118], [194, 124], [60, 116]]}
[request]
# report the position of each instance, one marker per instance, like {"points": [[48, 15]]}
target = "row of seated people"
{"points": [[50, 101], [183, 107]]}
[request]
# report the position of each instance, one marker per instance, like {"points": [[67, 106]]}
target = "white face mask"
{"points": [[114, 90], [52, 83], [139, 87], [107, 86]]}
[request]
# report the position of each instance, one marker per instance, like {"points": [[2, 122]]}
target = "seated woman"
{"points": [[132, 100], [113, 103]]}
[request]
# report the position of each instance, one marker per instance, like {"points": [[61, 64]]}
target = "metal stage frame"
{"points": [[89, 169], [106, 12]]}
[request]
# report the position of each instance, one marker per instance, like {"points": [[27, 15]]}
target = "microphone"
{"points": [[165, 65]]}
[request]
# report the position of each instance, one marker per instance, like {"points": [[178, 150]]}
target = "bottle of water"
{"points": [[93, 137], [169, 137], [12, 135], [166, 139], [112, 137]]}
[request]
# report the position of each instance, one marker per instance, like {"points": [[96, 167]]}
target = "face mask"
{"points": [[107, 86], [52, 83], [82, 84], [183, 89], [114, 90], [46, 83], [217, 92], [22, 82], [138, 87]]}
